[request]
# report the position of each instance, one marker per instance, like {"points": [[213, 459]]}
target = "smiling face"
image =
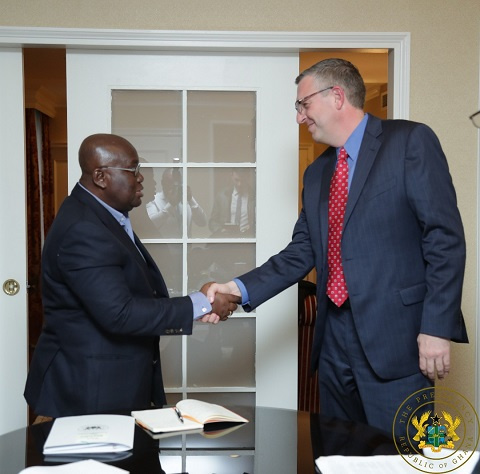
{"points": [[317, 112]]}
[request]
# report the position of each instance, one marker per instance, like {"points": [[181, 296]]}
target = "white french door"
{"points": [[188, 91], [13, 267]]}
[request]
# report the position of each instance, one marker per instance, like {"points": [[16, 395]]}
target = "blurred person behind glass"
{"points": [[166, 208]]}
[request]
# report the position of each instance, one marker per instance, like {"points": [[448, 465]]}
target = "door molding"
{"points": [[397, 43]]}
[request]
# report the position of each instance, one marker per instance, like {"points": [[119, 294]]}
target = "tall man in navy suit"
{"points": [[402, 250], [104, 298]]}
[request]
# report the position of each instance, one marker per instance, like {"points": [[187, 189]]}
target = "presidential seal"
{"points": [[436, 430]]}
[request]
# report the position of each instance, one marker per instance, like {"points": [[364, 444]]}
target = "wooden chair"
{"points": [[308, 396]]}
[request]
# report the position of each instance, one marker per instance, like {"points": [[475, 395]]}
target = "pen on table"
{"points": [[179, 414]]}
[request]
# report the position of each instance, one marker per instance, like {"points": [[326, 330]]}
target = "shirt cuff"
{"points": [[201, 305], [243, 291]]}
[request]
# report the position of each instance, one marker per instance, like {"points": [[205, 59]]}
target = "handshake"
{"points": [[224, 299]]}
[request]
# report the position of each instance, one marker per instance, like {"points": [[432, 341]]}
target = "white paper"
{"points": [[163, 420], [363, 464], [381, 464], [90, 434], [89, 466]]}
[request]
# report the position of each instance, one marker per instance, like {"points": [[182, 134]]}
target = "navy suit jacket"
{"points": [[221, 211], [403, 247], [105, 305]]}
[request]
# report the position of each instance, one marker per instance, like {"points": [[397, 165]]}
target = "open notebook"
{"points": [[186, 415]]}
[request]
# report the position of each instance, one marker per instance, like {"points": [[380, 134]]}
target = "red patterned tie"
{"points": [[337, 201]]}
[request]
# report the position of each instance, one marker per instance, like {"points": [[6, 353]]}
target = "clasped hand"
{"points": [[223, 305]]}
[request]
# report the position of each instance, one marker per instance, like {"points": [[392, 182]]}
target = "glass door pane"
{"points": [[197, 218], [221, 126], [152, 121]]}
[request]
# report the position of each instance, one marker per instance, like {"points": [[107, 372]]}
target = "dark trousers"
{"points": [[349, 388]]}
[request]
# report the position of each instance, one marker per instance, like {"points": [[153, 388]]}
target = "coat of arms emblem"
{"points": [[436, 434]]}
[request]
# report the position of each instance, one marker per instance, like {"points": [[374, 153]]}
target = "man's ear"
{"points": [[99, 178], [339, 95]]}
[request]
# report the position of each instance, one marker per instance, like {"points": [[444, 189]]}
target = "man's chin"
{"points": [[137, 202], [316, 135]]}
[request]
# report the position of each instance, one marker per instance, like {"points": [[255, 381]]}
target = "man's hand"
{"points": [[230, 288], [223, 304], [210, 318], [434, 356]]}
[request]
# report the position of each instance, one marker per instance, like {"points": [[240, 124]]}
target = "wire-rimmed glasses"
{"points": [[135, 170], [300, 103]]}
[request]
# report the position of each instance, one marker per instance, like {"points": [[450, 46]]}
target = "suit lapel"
{"points": [[153, 273], [144, 260], [366, 157]]}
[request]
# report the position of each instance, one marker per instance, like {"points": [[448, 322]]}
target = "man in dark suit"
{"points": [[105, 300], [233, 212], [400, 252]]}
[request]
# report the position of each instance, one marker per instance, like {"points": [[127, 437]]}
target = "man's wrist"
{"points": [[201, 305]]}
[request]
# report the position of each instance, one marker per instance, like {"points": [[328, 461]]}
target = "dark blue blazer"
{"points": [[105, 305], [403, 246]]}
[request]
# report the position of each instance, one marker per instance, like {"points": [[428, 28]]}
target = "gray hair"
{"points": [[338, 72]]}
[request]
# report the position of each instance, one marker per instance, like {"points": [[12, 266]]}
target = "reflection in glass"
{"points": [[221, 126], [230, 400], [216, 463], [168, 258], [166, 209], [233, 211], [228, 197], [161, 213], [229, 347], [207, 191], [152, 121], [217, 262], [171, 461]]}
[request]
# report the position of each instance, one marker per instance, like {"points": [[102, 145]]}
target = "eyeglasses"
{"points": [[135, 170], [300, 103], [475, 118]]}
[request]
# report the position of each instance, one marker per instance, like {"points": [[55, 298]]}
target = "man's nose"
{"points": [[300, 117]]}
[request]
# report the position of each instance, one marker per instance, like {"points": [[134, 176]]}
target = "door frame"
{"points": [[13, 261], [397, 44]]}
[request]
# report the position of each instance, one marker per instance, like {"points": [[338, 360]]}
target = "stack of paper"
{"points": [[90, 434], [382, 464], [82, 467]]}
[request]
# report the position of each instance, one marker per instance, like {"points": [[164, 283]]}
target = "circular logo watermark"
{"points": [[436, 430]]}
